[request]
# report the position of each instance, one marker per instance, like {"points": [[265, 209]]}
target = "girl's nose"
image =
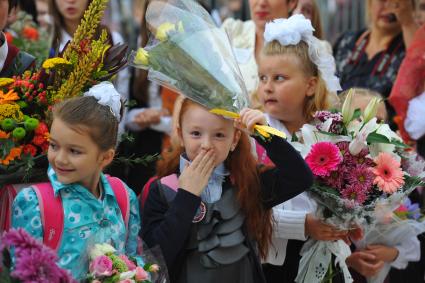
{"points": [[206, 144]]}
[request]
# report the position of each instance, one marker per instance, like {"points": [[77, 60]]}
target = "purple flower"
{"points": [[355, 194], [360, 177], [33, 261], [335, 179], [413, 209], [21, 241], [336, 126], [39, 266]]}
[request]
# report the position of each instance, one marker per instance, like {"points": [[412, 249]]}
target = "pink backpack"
{"points": [[53, 222], [171, 181]]}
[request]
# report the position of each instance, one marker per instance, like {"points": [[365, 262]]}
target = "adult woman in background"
{"points": [[247, 37], [370, 58]]}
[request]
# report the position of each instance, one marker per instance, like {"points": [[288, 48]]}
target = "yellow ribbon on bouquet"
{"points": [[263, 130]]}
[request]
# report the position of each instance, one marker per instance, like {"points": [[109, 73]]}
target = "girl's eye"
{"points": [[220, 135], [195, 133], [263, 78], [74, 151], [279, 78], [52, 145]]}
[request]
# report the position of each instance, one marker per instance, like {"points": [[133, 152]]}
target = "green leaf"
{"points": [[378, 138], [357, 114]]}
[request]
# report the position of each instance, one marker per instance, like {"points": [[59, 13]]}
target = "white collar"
{"points": [[278, 125], [65, 37], [4, 49]]}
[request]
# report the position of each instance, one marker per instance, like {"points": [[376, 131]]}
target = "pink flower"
{"points": [[126, 281], [101, 266], [335, 179], [323, 158], [128, 262], [141, 274], [355, 194], [388, 174], [361, 177]]}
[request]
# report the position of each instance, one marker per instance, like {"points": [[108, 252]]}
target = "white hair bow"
{"points": [[107, 95], [296, 28]]}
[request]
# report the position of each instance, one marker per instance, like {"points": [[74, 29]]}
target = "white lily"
{"points": [[359, 141], [371, 109], [376, 148], [347, 109]]}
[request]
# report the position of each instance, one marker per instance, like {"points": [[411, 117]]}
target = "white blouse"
{"points": [[415, 122]]}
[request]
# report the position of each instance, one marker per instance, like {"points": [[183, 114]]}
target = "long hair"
{"points": [[59, 24], [316, 20], [322, 97], [245, 177]]}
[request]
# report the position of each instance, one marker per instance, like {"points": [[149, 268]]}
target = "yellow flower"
{"points": [[53, 62], [142, 57], [163, 30], [11, 110], [6, 81]]}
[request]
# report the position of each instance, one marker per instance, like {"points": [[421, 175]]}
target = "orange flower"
{"points": [[30, 33], [8, 97], [4, 135], [388, 174], [9, 37], [13, 154]]}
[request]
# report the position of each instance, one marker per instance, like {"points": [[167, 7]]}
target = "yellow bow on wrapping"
{"points": [[263, 130]]}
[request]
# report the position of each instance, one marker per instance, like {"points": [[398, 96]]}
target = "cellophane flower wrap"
{"points": [[107, 262], [33, 262], [191, 55], [26, 101], [358, 179]]}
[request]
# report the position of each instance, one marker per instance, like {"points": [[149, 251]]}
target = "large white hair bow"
{"points": [[296, 28], [107, 95]]}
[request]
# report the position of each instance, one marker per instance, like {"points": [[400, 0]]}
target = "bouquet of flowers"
{"points": [[26, 100], [33, 262], [356, 162], [107, 265], [191, 55], [28, 37]]}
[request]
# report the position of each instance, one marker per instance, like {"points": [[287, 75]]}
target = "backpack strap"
{"points": [[122, 196], [51, 213], [145, 192], [171, 181]]}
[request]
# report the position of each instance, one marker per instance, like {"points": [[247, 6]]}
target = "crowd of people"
{"points": [[261, 213]]}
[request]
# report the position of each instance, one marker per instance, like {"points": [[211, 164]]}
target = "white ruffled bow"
{"points": [[107, 95], [296, 28]]}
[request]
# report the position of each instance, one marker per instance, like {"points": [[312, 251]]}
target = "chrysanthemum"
{"points": [[388, 174], [336, 178], [323, 158], [361, 177], [355, 194]]}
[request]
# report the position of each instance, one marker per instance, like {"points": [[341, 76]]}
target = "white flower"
{"points": [[127, 275], [371, 109], [359, 141], [101, 249], [347, 108]]}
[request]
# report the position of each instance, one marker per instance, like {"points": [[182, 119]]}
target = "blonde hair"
{"points": [[321, 100], [361, 93], [316, 21]]}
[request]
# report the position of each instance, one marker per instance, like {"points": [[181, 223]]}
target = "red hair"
{"points": [[244, 175]]}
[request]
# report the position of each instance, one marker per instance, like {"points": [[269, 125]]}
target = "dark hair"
{"points": [[12, 4], [244, 175], [86, 114], [58, 23]]}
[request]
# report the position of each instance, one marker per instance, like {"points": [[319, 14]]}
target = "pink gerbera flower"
{"points": [[323, 158], [388, 174]]}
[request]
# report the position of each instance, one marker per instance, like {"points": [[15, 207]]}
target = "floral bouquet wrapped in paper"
{"points": [[106, 265], [33, 262], [26, 100], [356, 162], [191, 55]]}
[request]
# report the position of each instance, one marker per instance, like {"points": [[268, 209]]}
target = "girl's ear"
{"points": [[107, 157], [236, 138], [312, 86], [292, 5]]}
